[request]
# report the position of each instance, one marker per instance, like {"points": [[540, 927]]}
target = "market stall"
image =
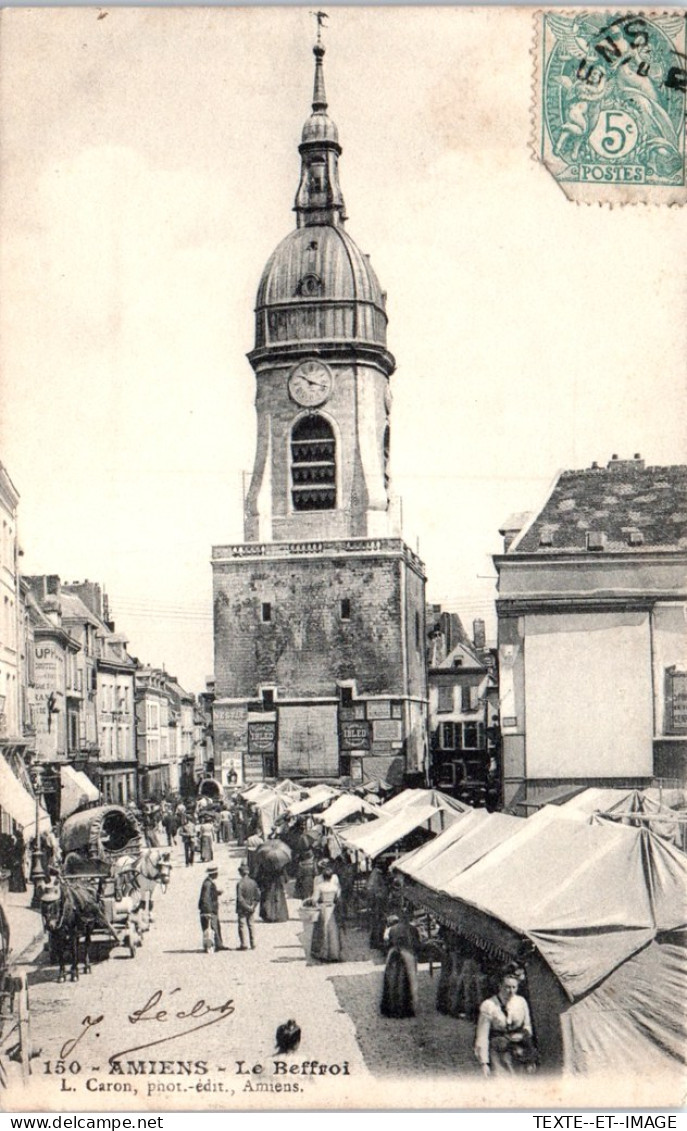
{"points": [[346, 808], [590, 908], [318, 796]]}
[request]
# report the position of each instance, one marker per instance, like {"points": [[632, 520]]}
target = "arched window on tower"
{"points": [[387, 447], [313, 464]]}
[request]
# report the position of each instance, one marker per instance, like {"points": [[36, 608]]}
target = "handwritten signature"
{"points": [[156, 1012]]}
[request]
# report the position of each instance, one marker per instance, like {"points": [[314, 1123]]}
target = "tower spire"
{"points": [[319, 98], [319, 199]]}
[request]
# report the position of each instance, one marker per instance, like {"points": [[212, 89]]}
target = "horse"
{"points": [[71, 912], [140, 875]]}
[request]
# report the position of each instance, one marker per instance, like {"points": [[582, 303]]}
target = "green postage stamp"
{"points": [[610, 115]]}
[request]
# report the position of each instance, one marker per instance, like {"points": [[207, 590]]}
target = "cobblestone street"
{"points": [[336, 1005]]}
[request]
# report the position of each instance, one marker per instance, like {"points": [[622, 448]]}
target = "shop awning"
{"points": [[77, 791], [19, 803]]}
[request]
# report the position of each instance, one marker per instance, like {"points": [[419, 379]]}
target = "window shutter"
{"points": [[445, 698]]}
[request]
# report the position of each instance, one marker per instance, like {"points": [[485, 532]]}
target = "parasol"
{"points": [[272, 855]]}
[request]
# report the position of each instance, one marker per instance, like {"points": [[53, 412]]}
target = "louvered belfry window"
{"points": [[313, 464]]}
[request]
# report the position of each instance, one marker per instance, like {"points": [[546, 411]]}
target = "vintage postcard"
{"points": [[343, 364]]}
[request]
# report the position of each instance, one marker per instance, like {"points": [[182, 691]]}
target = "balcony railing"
{"points": [[325, 548]]}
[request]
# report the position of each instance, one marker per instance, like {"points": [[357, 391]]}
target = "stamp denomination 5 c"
{"points": [[611, 91]]}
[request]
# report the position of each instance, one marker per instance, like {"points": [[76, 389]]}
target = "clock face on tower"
{"points": [[310, 383]]}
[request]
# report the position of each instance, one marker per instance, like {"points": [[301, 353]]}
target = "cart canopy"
{"points": [[104, 833]]}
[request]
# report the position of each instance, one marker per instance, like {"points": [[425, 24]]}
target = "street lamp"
{"points": [[37, 874]]}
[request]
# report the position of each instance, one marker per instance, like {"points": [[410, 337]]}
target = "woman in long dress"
{"points": [[326, 936], [305, 876], [399, 994], [273, 906], [206, 839]]}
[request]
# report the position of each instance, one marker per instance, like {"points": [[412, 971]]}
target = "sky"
{"points": [[149, 168]]}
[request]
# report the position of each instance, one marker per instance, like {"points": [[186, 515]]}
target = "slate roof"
{"points": [[73, 608], [636, 508]]}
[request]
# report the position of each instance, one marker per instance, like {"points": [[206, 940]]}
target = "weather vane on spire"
{"points": [[320, 17]]}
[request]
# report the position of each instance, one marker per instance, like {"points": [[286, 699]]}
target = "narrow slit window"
{"points": [[345, 609], [266, 611]]}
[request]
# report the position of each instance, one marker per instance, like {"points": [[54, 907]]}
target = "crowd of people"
{"points": [[301, 853]]}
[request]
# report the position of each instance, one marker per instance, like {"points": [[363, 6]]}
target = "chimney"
{"points": [[44, 585], [53, 610], [91, 595], [479, 635], [635, 464], [512, 527]]}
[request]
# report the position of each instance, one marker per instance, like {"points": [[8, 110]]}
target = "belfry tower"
{"points": [[319, 614]]}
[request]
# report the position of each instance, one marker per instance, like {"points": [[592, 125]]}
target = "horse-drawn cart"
{"points": [[105, 892], [86, 903], [93, 840]]}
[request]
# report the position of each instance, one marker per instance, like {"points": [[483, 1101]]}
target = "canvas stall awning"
{"points": [[271, 806], [402, 799], [605, 906], [77, 790], [262, 793], [348, 805], [318, 795], [634, 1022], [639, 808], [588, 895], [287, 786], [18, 802], [376, 836], [250, 790], [437, 864], [433, 797]]}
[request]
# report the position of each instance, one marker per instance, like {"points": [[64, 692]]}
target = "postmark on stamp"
{"points": [[610, 104]]}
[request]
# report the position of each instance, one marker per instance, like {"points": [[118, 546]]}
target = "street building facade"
{"points": [[463, 710], [84, 691], [591, 627], [152, 733], [11, 734], [319, 615], [17, 685]]}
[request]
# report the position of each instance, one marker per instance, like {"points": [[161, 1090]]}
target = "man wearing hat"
{"points": [[208, 905], [247, 899]]}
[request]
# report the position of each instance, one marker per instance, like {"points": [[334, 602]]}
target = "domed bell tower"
{"points": [[322, 367], [319, 613]]}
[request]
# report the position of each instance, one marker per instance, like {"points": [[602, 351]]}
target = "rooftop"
{"points": [[623, 506]]}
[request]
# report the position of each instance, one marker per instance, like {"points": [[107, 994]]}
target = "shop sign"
{"points": [[262, 738], [676, 701], [355, 735], [378, 710], [349, 714], [356, 768], [388, 730]]}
